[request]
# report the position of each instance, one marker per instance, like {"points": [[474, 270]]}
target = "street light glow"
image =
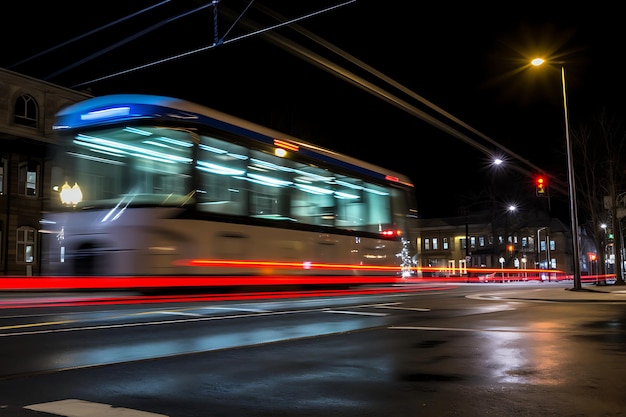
{"points": [[537, 61], [571, 183]]}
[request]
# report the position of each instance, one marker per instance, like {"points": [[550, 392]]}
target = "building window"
{"points": [[3, 164], [463, 243], [26, 111], [481, 241], [552, 245], [433, 262], [524, 242], [28, 174], [426, 244], [445, 243], [542, 245], [435, 243], [25, 244], [473, 242]]}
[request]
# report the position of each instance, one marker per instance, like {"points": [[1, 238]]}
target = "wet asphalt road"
{"points": [[468, 350]]}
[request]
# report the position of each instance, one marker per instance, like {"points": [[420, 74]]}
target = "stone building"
{"points": [[460, 245], [27, 109]]}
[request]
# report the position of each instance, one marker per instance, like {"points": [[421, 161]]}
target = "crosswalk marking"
{"points": [[80, 408]]}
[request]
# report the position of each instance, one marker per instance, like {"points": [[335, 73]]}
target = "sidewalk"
{"points": [[566, 292]]}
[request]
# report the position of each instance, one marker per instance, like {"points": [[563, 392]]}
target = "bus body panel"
{"points": [[147, 241], [169, 187]]}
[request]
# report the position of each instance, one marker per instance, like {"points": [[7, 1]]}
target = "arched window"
{"points": [[26, 249], [26, 111]]}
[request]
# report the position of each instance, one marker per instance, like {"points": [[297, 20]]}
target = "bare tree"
{"points": [[601, 146]]}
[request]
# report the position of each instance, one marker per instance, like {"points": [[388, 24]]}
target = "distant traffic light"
{"points": [[541, 186]]}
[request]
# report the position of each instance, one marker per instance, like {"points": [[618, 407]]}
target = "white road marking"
{"points": [[357, 313], [178, 313], [402, 308], [80, 408], [252, 310], [461, 329]]}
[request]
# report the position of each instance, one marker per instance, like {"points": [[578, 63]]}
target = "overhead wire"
{"points": [[313, 58], [206, 48], [84, 35], [352, 78], [402, 88], [125, 41]]}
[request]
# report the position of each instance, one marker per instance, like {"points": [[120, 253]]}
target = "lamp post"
{"points": [[571, 183]]}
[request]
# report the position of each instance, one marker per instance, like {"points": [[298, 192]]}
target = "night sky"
{"points": [[467, 61]]}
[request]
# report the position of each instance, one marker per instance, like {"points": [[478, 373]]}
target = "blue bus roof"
{"points": [[117, 108]]}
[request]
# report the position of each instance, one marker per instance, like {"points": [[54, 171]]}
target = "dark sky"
{"points": [[467, 59]]}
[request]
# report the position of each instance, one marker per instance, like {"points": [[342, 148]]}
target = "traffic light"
{"points": [[541, 186]]}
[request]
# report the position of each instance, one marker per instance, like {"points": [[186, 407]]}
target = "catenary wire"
{"points": [[318, 61], [108, 25]]}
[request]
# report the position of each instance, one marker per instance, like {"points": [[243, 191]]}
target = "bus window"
{"points": [[221, 185], [312, 195]]}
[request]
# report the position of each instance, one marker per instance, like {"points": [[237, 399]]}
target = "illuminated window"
{"points": [[426, 244], [481, 241], [26, 111], [552, 245], [25, 252], [445, 243], [435, 243], [28, 174]]}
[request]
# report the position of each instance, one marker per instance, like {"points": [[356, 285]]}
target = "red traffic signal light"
{"points": [[540, 186]]}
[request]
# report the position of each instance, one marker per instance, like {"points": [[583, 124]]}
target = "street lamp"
{"points": [[571, 183]]}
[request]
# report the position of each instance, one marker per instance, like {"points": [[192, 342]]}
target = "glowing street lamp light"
{"points": [[571, 183], [71, 195]]}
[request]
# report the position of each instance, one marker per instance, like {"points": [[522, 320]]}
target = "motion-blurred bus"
{"points": [[158, 186]]}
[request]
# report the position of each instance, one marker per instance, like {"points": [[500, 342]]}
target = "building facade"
{"points": [[27, 109], [457, 244]]}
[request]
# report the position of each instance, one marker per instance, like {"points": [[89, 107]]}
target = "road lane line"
{"points": [[45, 323], [461, 329], [177, 313], [356, 313], [159, 322], [80, 408], [403, 308]]}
